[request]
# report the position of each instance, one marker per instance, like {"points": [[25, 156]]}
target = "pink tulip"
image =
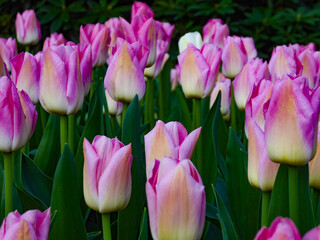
{"points": [[18, 117], [291, 121], [140, 8], [223, 85], [3, 68], [284, 61], [199, 69], [98, 36], [234, 56], [165, 31], [33, 224], [106, 174], [301, 48], [61, 89], [281, 228], [114, 108], [25, 74], [54, 39], [115, 30], [310, 67], [174, 77], [176, 200], [8, 50], [252, 72], [250, 48], [124, 78], [313, 234], [192, 37], [169, 140], [28, 28], [314, 166], [214, 32]]}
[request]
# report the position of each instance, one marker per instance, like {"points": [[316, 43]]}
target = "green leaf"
{"points": [[144, 226], [107, 120], [212, 213], [48, 152], [129, 218], [69, 223], [29, 202], [243, 198], [185, 113]]}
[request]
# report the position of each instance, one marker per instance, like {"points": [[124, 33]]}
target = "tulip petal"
{"points": [[188, 145]]}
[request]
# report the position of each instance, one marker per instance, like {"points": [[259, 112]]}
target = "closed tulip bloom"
{"points": [[106, 174], [32, 225], [250, 48], [8, 50], [54, 39], [310, 67], [28, 28], [313, 234], [61, 89], [234, 56], [281, 228], [176, 200], [169, 140], [223, 85], [18, 117], [284, 61], [115, 108], [214, 32], [192, 37], [25, 74], [140, 8], [124, 78], [199, 69], [98, 36], [291, 121], [252, 72], [314, 166], [165, 31], [115, 30]]}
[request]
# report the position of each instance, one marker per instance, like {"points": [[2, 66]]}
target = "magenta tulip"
{"points": [[8, 50], [214, 32], [313, 234], [140, 8], [32, 225], [18, 117], [54, 39], [106, 174], [28, 28], [169, 140], [176, 200]]}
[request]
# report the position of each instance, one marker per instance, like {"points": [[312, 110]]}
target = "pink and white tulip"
{"points": [[176, 200], [310, 67], [54, 39], [114, 108], [8, 50], [174, 77], [28, 28], [141, 8], [314, 166], [199, 70], [33, 225], [192, 37], [106, 174], [169, 140], [313, 234], [165, 31], [18, 117], [214, 32], [250, 48], [115, 30]]}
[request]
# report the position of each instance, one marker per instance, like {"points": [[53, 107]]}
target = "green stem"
{"points": [[71, 126], [27, 48], [63, 131], [9, 177], [149, 108], [315, 204], [161, 99], [293, 194], [266, 196], [25, 149], [106, 226], [197, 123], [124, 110], [233, 111], [43, 118]]}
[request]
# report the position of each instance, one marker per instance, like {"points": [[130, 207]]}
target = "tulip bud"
{"points": [[61, 89], [114, 108], [106, 174], [214, 32], [28, 28], [176, 200], [140, 8], [54, 39], [191, 37], [169, 140], [8, 50], [19, 117], [33, 224], [313, 234]]}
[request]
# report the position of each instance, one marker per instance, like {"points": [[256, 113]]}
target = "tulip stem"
{"points": [[27, 48], [124, 110], [265, 208], [9, 176], [71, 127], [63, 131], [106, 226], [233, 111], [315, 204], [149, 108], [197, 123], [293, 194]]}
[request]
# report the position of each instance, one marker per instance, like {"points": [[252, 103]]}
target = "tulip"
{"points": [[115, 30], [223, 85], [301, 48], [234, 56], [19, 117], [199, 69], [114, 108], [291, 121], [33, 224], [252, 72], [176, 200], [98, 36], [191, 37], [140, 8], [284, 61], [281, 228], [3, 68], [313, 234], [106, 174], [214, 32], [165, 31], [310, 67], [169, 140], [54, 39], [124, 78], [61, 89], [314, 166], [174, 77], [28, 28], [26, 74], [8, 50], [249, 47]]}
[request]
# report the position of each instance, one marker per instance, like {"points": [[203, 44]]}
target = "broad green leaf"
{"points": [[69, 223], [212, 213], [144, 226], [29, 202]]}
